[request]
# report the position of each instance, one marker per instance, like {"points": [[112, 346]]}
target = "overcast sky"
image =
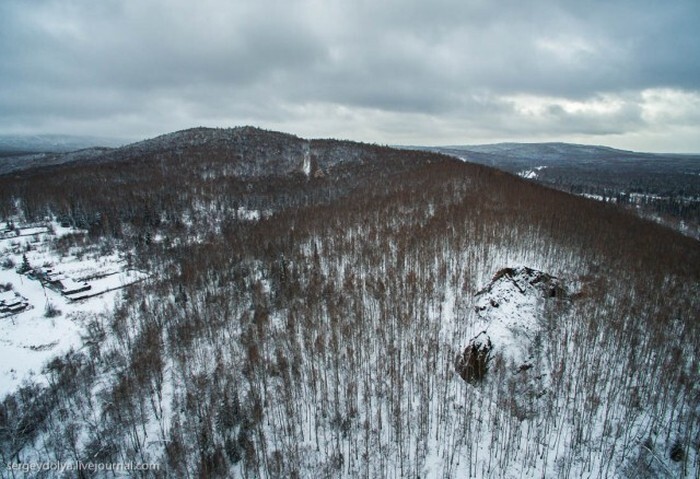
{"points": [[620, 73]]}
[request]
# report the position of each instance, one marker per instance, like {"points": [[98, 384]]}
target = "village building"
{"points": [[11, 303]]}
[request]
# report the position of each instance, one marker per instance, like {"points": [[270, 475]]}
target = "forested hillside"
{"points": [[662, 187], [318, 308]]}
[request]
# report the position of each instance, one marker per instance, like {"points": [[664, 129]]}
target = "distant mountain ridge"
{"points": [[275, 153], [55, 143], [19, 152], [511, 147], [522, 154], [662, 187]]}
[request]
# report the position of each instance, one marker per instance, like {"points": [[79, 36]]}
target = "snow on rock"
{"points": [[510, 309]]}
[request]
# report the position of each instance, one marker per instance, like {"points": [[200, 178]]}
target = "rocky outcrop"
{"points": [[511, 310], [472, 363]]}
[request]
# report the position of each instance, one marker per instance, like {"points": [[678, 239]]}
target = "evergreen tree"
{"points": [[25, 267]]}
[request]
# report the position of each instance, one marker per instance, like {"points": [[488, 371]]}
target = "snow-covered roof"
{"points": [[70, 285], [7, 296]]}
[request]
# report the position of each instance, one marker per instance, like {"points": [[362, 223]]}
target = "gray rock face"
{"points": [[511, 310]]}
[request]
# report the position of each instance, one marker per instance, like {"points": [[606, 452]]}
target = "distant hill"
{"points": [[21, 152], [54, 143], [661, 187], [517, 156], [275, 153]]}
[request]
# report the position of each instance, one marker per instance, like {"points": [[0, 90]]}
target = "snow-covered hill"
{"points": [[306, 301]]}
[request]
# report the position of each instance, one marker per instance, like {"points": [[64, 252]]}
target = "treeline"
{"points": [[163, 187]]}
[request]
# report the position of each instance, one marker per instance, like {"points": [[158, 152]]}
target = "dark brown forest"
{"points": [[320, 338]]}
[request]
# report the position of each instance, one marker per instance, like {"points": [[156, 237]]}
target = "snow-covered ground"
{"points": [[52, 323], [532, 173], [593, 197]]}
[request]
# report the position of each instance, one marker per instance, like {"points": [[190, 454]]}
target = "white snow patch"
{"points": [[593, 197], [510, 311], [531, 174], [29, 339], [245, 214], [306, 165]]}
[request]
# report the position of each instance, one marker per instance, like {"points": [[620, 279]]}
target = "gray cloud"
{"points": [[392, 71]]}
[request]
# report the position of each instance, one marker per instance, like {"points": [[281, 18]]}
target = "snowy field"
{"points": [[52, 322]]}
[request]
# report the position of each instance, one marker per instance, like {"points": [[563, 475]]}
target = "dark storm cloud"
{"points": [[381, 70]]}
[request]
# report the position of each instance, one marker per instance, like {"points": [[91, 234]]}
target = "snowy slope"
{"points": [[34, 336]]}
